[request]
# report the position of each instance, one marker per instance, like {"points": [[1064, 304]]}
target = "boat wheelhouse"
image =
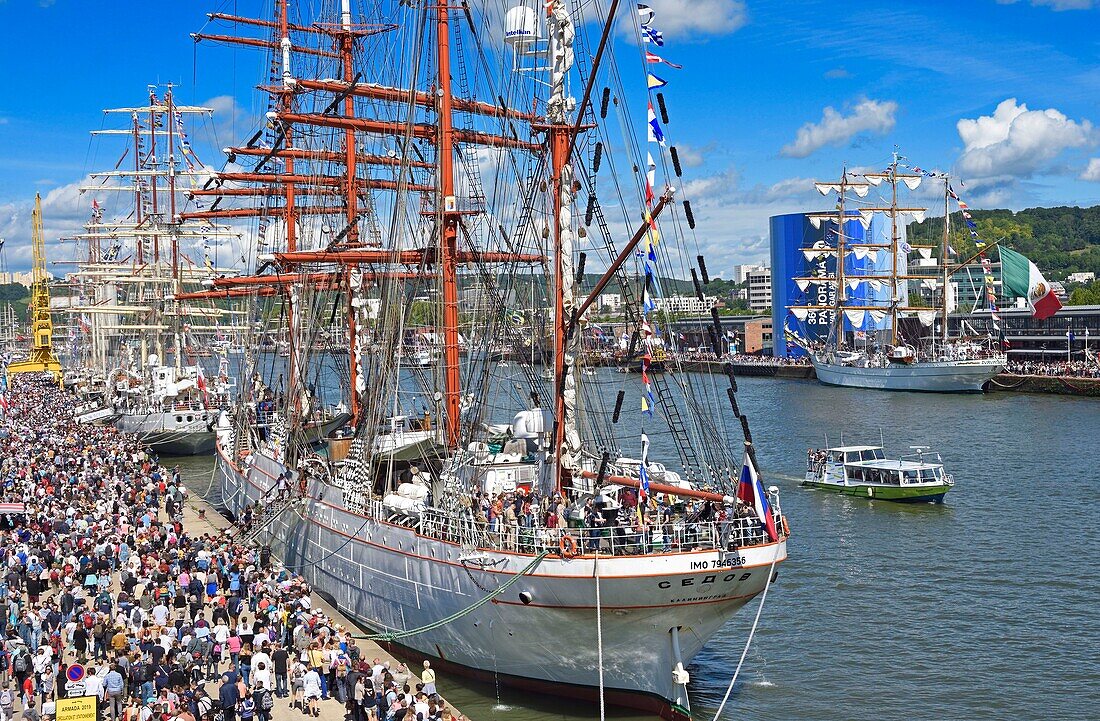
{"points": [[866, 471]]}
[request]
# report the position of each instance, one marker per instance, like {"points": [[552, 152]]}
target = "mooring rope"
{"points": [[752, 632], [995, 382], [395, 635], [599, 634]]}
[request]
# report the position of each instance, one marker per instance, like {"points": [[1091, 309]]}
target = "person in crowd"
{"points": [[170, 623]]}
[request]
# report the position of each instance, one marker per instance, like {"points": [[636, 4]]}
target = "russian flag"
{"points": [[751, 491]]}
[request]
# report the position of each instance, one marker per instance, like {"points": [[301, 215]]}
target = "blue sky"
{"points": [[772, 94]]}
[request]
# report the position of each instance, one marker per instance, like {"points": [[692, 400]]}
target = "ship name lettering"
{"points": [[708, 579]]}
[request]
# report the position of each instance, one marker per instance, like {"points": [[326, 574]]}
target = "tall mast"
{"points": [[286, 105], [565, 440], [153, 176], [137, 184], [894, 248], [945, 249], [448, 232], [347, 47], [838, 313], [172, 188], [173, 229]]}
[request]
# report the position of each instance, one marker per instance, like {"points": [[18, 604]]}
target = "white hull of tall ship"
{"points": [[656, 610], [188, 433], [955, 376]]}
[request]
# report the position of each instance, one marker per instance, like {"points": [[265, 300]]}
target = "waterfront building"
{"points": [[802, 262], [750, 334], [1072, 329], [760, 289]]}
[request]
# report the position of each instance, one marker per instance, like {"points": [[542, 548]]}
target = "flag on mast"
{"points": [[655, 58], [751, 491], [654, 82], [653, 35], [656, 135], [1020, 276], [643, 474]]}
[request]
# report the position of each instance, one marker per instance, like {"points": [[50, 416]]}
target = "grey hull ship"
{"points": [[962, 376], [478, 512]]}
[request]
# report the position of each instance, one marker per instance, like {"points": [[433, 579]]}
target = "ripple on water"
{"points": [[981, 608]]}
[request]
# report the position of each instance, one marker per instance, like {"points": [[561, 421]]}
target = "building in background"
{"points": [[687, 304], [1067, 334], [801, 254], [25, 278], [756, 337], [609, 303], [1086, 277], [739, 333], [968, 287], [741, 272], [760, 289]]}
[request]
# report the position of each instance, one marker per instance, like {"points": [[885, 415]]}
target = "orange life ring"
{"points": [[567, 546], [786, 528]]}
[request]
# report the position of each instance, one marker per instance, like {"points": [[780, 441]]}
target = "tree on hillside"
{"points": [[1059, 240]]}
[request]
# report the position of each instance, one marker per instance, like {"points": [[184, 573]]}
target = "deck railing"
{"points": [[619, 540], [676, 535]]}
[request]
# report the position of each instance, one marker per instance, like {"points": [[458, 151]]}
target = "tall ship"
{"points": [[136, 348], [882, 304], [429, 186]]}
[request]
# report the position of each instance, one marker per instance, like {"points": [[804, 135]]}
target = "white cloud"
{"points": [[690, 156], [64, 211], [1092, 172], [1017, 141], [685, 18], [232, 123], [733, 219], [835, 128]]}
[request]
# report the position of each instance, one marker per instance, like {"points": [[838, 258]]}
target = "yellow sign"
{"points": [[81, 708]]}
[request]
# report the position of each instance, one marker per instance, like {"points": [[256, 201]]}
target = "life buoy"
{"points": [[786, 528], [568, 546]]}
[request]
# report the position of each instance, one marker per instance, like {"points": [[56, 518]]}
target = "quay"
{"points": [[1000, 383], [206, 519], [122, 589]]}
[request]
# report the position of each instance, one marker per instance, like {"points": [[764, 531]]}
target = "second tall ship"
{"points": [[865, 268]]}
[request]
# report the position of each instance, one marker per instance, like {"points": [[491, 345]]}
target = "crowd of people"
{"points": [[1060, 369], [99, 570]]}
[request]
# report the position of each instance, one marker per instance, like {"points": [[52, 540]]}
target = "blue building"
{"points": [[801, 253]]}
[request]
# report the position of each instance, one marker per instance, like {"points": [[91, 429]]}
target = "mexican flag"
{"points": [[1020, 277]]}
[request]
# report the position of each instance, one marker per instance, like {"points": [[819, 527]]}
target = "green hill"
{"points": [[18, 295], [1060, 240]]}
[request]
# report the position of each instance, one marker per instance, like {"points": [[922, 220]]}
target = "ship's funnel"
{"points": [[521, 28]]}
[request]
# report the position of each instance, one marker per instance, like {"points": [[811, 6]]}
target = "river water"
{"points": [[985, 607]]}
